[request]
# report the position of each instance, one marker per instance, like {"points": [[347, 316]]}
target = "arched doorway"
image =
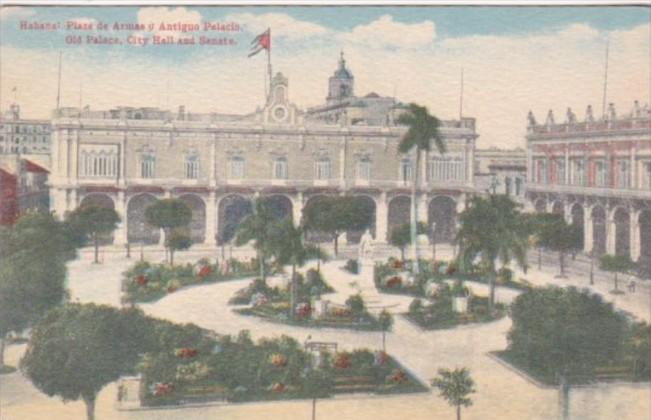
{"points": [[311, 235], [598, 230], [540, 205], [399, 212], [578, 219], [138, 230], [197, 228], [232, 210], [102, 201], [442, 210], [368, 204], [281, 206], [645, 243], [622, 219], [557, 208]]}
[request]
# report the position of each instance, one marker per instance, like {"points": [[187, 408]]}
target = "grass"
{"points": [[280, 316], [6, 369]]}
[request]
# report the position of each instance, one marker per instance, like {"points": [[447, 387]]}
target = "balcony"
{"points": [[628, 193]]}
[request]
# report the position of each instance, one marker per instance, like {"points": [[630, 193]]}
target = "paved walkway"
{"points": [[502, 393]]}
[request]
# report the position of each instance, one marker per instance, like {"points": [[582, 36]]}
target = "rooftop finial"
{"points": [[342, 61]]}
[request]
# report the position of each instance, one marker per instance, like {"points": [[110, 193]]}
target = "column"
{"points": [[211, 218], [297, 208], [381, 218], [635, 235], [611, 232], [634, 171], [167, 194], [587, 230], [213, 160], [123, 159], [424, 180], [58, 201], [423, 205], [74, 154], [566, 181], [121, 235], [72, 199]]}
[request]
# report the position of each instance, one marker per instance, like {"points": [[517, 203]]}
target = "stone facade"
{"points": [[127, 157], [27, 137], [501, 171], [598, 174]]}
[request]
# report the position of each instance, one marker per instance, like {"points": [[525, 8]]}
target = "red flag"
{"points": [[261, 42]]}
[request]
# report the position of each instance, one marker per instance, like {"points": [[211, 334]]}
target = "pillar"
{"points": [[635, 235], [423, 206], [211, 218], [587, 230], [381, 218], [297, 208], [120, 237], [611, 232]]}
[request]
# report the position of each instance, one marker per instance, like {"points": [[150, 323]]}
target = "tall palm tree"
{"points": [[492, 229], [257, 227], [423, 128]]}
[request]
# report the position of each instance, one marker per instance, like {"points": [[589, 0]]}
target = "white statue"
{"points": [[366, 245]]}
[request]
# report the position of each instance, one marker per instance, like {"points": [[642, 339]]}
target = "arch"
{"points": [[598, 230], [232, 210], [442, 210], [281, 206], [103, 201], [138, 230], [354, 236], [645, 242], [540, 205], [197, 228], [558, 208], [399, 212], [622, 222], [578, 219], [311, 235]]}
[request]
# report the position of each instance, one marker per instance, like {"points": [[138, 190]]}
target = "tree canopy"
{"points": [[400, 236], [455, 386], [565, 331], [90, 222], [168, 214], [75, 350]]}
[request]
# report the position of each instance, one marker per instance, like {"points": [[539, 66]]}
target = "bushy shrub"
{"points": [[356, 305], [352, 266], [416, 306]]}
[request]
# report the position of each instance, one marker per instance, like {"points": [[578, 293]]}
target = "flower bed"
{"points": [[146, 282], [195, 367], [438, 313]]}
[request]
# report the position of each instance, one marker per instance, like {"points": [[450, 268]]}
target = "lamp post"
{"points": [[433, 242], [592, 267], [142, 242]]}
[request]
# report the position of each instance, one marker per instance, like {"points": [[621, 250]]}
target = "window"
{"points": [[236, 167], [560, 171], [322, 168], [98, 161], [406, 170], [578, 172], [623, 174], [541, 174], [518, 186], [600, 173], [507, 185], [280, 168], [148, 165], [364, 169], [446, 169], [192, 166]]}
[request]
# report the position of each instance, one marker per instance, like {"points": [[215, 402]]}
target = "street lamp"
{"points": [[433, 242], [592, 266]]}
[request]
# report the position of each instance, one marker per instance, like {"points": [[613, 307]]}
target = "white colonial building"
{"points": [[127, 158], [598, 174]]}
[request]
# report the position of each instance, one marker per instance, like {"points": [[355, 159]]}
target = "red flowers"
{"points": [[394, 281], [278, 360], [342, 361], [162, 389], [186, 353], [397, 264], [278, 387], [398, 376], [303, 310], [451, 270], [204, 271], [171, 289], [142, 280]]}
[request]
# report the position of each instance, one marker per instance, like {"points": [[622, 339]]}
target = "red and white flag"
{"points": [[261, 42]]}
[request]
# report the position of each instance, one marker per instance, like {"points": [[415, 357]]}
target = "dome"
{"points": [[342, 72]]}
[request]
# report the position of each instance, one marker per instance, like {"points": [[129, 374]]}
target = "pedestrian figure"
{"points": [[631, 286]]}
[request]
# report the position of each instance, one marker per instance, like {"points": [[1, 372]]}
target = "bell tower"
{"points": [[341, 83]]}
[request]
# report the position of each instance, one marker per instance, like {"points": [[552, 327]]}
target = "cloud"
{"points": [[15, 12], [281, 24], [386, 32]]}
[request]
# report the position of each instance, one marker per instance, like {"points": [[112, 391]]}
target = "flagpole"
{"points": [[269, 64], [603, 103], [59, 84], [461, 97]]}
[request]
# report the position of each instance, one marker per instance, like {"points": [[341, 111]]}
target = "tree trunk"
{"points": [[90, 407], [564, 398], [402, 254], [491, 284], [336, 235], [384, 341], [96, 241], [458, 412], [2, 351], [561, 259], [263, 274], [171, 257], [313, 408], [616, 282], [414, 214], [539, 258], [292, 293]]}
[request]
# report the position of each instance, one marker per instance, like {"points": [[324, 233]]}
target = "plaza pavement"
{"points": [[501, 392]]}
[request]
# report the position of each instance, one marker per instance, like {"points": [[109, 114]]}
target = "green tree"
{"points": [[555, 234], [400, 236], [336, 215], [617, 264], [288, 248], [91, 222], [492, 229], [423, 128], [33, 254], [455, 386], [258, 227], [177, 241], [317, 384], [385, 319], [75, 350], [168, 214]]}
